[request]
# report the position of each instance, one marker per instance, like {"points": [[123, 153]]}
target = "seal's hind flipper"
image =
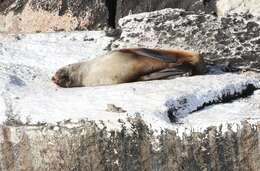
{"points": [[151, 53], [169, 73]]}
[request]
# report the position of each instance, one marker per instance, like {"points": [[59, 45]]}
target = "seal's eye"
{"points": [[65, 77]]}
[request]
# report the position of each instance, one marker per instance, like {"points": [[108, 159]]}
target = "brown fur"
{"points": [[126, 65]]}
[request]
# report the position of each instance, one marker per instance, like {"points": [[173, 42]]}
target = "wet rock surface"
{"points": [[232, 41]]}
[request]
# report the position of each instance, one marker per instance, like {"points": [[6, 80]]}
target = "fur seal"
{"points": [[128, 65]]}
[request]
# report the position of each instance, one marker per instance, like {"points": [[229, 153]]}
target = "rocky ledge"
{"points": [[202, 122]]}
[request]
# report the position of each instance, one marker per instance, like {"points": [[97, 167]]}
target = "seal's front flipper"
{"points": [[151, 53], [169, 73]]}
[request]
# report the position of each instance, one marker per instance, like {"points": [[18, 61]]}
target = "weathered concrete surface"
{"points": [[233, 39]]}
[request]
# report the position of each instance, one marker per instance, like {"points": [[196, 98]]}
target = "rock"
{"points": [[44, 127], [232, 40], [18, 16], [238, 6], [113, 108], [224, 8], [57, 15], [28, 63], [51, 16]]}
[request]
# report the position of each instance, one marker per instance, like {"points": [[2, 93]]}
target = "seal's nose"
{"points": [[54, 79]]}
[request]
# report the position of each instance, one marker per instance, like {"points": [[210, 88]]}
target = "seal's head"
{"points": [[67, 76], [62, 77]]}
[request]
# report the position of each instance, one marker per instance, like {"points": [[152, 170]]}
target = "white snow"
{"points": [[29, 96]]}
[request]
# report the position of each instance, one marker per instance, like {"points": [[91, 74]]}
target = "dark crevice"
{"points": [[111, 6], [225, 98], [172, 116], [64, 7]]}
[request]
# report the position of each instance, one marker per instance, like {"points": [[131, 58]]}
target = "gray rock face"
{"points": [[232, 39]]}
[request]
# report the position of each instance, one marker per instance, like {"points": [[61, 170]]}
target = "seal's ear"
{"points": [[151, 53]]}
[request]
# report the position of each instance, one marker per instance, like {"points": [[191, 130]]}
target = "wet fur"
{"points": [[128, 65]]}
